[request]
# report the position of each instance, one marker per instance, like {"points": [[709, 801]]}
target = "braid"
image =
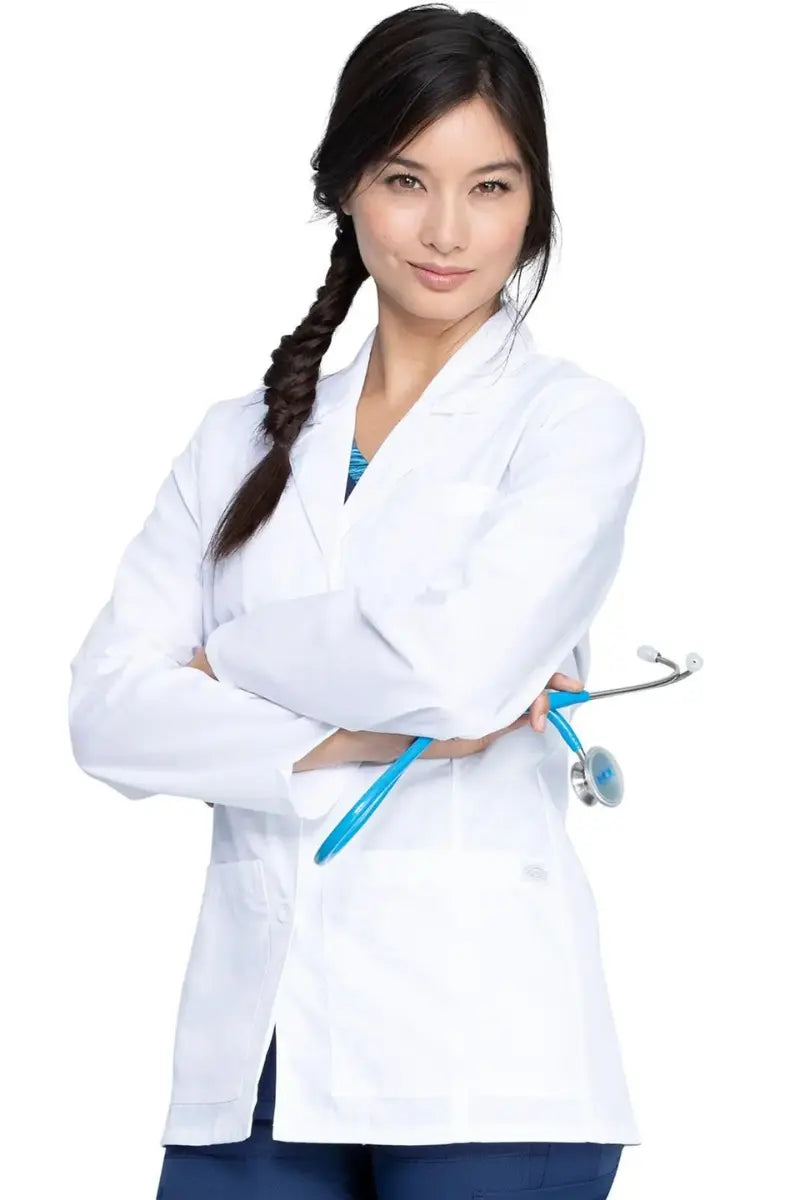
{"points": [[291, 379], [290, 388]]}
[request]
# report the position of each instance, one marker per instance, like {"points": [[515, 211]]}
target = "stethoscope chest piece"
{"points": [[597, 776]]}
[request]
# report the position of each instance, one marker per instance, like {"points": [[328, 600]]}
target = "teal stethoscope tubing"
{"points": [[365, 806]]}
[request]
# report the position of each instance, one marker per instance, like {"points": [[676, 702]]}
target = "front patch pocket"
{"points": [[222, 986], [392, 991]]}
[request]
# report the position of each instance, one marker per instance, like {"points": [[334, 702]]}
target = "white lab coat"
{"points": [[439, 980]]}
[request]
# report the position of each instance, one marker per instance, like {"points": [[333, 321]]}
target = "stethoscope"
{"points": [[596, 776]]}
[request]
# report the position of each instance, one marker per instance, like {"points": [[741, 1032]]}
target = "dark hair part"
{"points": [[406, 73]]}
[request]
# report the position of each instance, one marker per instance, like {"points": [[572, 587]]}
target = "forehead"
{"points": [[462, 139]]}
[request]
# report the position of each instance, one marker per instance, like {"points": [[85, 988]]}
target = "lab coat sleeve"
{"points": [[466, 658], [143, 721]]}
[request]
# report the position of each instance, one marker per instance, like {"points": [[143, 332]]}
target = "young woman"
{"points": [[414, 545]]}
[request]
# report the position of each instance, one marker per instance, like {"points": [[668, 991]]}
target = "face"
{"points": [[445, 211]]}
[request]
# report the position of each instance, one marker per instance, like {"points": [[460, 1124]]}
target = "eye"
{"points": [[392, 179], [497, 185]]}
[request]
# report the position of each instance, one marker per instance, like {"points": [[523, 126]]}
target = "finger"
{"points": [[539, 710], [563, 682]]}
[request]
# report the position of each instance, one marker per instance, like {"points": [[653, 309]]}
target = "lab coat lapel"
{"points": [[320, 455]]}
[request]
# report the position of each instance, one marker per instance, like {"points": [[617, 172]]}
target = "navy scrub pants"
{"points": [[260, 1168]]}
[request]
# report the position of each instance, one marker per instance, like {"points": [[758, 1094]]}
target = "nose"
{"points": [[444, 226]]}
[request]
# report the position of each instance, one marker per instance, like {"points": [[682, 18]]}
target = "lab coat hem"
{"points": [[430, 1134], [198, 1125]]}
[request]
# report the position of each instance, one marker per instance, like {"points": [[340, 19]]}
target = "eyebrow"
{"points": [[511, 164]]}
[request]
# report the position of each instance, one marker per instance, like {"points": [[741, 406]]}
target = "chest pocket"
{"points": [[454, 508], [461, 498], [422, 538]]}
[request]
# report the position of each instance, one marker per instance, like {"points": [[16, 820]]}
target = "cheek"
{"points": [[505, 230], [383, 229]]}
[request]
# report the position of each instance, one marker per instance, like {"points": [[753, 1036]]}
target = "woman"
{"points": [[444, 1025]]}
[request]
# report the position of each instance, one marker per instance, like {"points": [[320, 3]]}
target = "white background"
{"points": [[157, 243]]}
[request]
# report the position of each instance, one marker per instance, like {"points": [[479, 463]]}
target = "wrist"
{"points": [[369, 747], [352, 745], [328, 753]]}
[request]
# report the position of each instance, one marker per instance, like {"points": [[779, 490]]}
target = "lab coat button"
{"points": [[534, 871], [284, 911]]}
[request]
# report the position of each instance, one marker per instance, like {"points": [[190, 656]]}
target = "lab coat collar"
{"points": [[320, 455]]}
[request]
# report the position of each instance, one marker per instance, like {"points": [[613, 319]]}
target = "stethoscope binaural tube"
{"points": [[596, 777]]}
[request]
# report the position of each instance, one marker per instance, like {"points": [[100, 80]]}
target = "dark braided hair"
{"points": [[406, 73]]}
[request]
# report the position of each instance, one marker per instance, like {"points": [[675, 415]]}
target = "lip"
{"points": [[433, 269], [437, 281]]}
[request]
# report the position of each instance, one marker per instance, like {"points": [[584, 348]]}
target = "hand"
{"points": [[386, 747], [201, 662], [535, 716], [559, 682]]}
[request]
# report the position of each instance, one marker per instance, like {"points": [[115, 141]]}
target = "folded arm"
{"points": [[462, 661], [143, 721]]}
